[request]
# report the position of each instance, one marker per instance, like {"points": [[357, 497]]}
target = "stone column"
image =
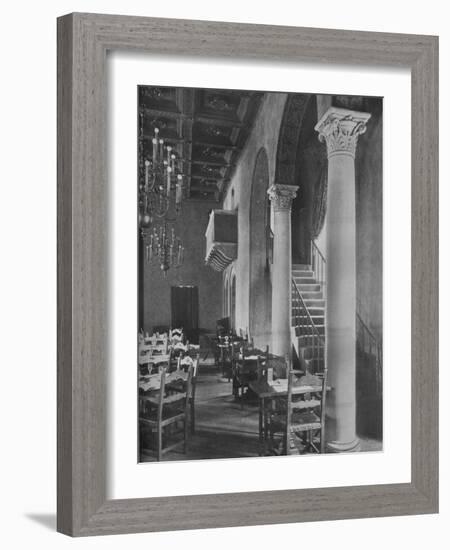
{"points": [[281, 197], [340, 129]]}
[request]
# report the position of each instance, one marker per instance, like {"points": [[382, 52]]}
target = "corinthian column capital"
{"points": [[282, 196], [340, 129]]}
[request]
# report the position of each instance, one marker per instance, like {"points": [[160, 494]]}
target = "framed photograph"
{"points": [[247, 274]]}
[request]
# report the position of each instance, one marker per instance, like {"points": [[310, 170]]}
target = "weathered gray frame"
{"points": [[83, 40]]}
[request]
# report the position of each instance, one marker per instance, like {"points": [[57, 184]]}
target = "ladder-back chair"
{"points": [[301, 421], [162, 412]]}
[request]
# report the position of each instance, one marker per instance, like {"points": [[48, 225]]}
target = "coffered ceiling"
{"points": [[208, 129]]}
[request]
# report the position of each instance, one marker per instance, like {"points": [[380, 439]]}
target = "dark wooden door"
{"points": [[184, 301]]}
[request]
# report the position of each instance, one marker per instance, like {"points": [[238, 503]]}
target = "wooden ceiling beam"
{"points": [[189, 141], [188, 106], [218, 164], [217, 121], [207, 178], [216, 145], [205, 119]]}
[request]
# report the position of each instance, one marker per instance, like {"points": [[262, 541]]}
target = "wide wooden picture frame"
{"points": [[83, 42]]}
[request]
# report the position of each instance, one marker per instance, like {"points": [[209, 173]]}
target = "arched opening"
{"points": [[301, 161], [308, 208], [260, 310]]}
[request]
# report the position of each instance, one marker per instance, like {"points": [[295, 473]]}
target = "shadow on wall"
{"points": [[260, 299]]}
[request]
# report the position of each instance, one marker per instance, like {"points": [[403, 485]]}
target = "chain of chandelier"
{"points": [[160, 196]]}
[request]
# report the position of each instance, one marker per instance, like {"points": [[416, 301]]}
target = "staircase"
{"points": [[308, 337], [308, 319]]}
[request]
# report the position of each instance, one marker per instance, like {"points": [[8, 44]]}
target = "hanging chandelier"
{"points": [[160, 197], [161, 188], [164, 247]]}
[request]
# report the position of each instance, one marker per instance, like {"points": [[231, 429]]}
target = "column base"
{"points": [[341, 447]]}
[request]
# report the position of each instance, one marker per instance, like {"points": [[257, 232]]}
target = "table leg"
{"points": [[265, 430], [261, 428]]}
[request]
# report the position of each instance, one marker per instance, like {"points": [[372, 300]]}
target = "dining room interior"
{"points": [[260, 276]]}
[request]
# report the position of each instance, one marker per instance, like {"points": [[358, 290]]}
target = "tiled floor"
{"points": [[223, 428]]}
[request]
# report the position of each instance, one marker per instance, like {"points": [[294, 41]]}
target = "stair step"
{"points": [[312, 352], [302, 273], [305, 281], [298, 310], [304, 341], [309, 303], [317, 320], [311, 295], [320, 329], [316, 311], [301, 267], [308, 287]]}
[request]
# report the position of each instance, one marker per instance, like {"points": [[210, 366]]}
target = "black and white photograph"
{"points": [[260, 277], [222, 253]]}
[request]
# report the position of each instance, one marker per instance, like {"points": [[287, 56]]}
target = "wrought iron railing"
{"points": [[318, 265], [305, 328], [368, 343]]}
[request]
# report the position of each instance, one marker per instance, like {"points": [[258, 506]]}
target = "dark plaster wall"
{"points": [[260, 318], [190, 226], [310, 163], [369, 218]]}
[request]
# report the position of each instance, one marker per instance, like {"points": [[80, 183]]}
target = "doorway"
{"points": [[184, 310]]}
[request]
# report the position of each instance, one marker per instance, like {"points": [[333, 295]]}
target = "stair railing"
{"points": [[370, 344], [305, 327], [367, 341], [318, 264]]}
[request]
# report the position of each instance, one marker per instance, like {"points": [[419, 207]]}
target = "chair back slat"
{"points": [[162, 389], [290, 383], [304, 409], [178, 396]]}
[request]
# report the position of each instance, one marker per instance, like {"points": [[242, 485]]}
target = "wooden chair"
{"points": [[227, 359], [269, 367], [195, 369], [160, 362], [176, 335], [159, 413], [244, 369], [301, 421], [263, 366]]}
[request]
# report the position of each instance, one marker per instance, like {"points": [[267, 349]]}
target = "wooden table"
{"points": [[272, 390]]}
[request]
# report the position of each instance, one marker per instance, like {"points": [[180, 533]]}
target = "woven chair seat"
{"points": [[301, 421]]}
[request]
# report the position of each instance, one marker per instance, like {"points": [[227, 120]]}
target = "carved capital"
{"points": [[282, 196], [340, 129]]}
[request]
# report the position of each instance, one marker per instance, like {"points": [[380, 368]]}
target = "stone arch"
{"points": [[289, 137], [301, 161], [260, 296]]}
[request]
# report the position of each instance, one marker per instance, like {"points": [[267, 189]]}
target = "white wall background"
{"points": [[28, 277]]}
